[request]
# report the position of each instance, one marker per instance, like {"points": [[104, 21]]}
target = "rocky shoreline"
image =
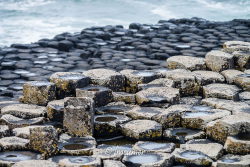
{"points": [[159, 95], [141, 47]]}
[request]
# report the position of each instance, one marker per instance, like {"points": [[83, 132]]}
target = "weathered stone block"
{"points": [[186, 62], [67, 82], [55, 110], [107, 78], [44, 140], [100, 95], [78, 116], [231, 75], [38, 92], [219, 61]]}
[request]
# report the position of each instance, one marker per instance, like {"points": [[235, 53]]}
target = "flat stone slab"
{"points": [[144, 112], [14, 143], [230, 125], [107, 78], [136, 129], [16, 122], [222, 91], [186, 62], [212, 149], [219, 61], [24, 110], [234, 107], [231, 75], [158, 95], [208, 77]]}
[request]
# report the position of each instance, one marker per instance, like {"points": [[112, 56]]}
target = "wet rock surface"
{"points": [[193, 113]]}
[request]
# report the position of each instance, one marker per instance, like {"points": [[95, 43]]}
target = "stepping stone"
{"points": [[171, 117], [144, 112], [208, 77], [234, 107], [161, 82], [67, 82], [108, 125], [150, 146], [239, 144], [148, 159], [156, 95], [222, 91], [184, 80], [136, 129], [124, 97], [55, 110], [243, 80], [234, 160], [113, 163], [191, 158], [107, 78], [181, 135], [117, 108], [200, 117], [231, 46], [14, 143], [133, 78], [38, 163], [79, 116], [24, 132], [4, 131], [15, 122], [231, 75], [9, 158], [101, 95], [186, 62], [39, 93], [230, 125], [211, 149], [218, 61], [76, 161], [77, 145], [44, 140], [24, 110]]}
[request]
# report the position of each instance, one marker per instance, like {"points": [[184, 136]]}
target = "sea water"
{"points": [[25, 21]]}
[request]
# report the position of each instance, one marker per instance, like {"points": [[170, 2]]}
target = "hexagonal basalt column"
{"points": [[79, 116], [186, 62], [100, 95], [38, 92], [55, 110], [243, 80], [231, 75], [239, 144], [136, 129], [133, 78], [44, 140], [107, 78], [231, 46], [230, 160], [208, 77], [230, 125], [242, 59], [222, 91], [67, 82], [158, 95], [124, 97], [108, 125], [219, 61], [38, 163], [150, 146], [144, 112], [184, 80]]}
